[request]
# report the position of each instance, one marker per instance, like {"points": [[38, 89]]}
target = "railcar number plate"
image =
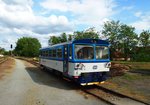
{"points": [[95, 67]]}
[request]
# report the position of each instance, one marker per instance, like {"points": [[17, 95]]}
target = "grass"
{"points": [[134, 83], [135, 65], [130, 77]]}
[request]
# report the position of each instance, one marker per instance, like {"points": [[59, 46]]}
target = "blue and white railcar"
{"points": [[87, 61]]}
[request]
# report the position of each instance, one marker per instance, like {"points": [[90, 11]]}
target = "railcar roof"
{"points": [[97, 41], [60, 44]]}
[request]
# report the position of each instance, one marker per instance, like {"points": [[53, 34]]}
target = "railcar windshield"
{"points": [[86, 52], [102, 52]]}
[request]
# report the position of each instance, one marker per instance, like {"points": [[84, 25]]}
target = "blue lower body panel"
{"points": [[92, 77]]}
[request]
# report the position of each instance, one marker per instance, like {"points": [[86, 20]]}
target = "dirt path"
{"points": [[27, 85]]}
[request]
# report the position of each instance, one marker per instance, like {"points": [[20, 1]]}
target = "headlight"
{"points": [[108, 65]]}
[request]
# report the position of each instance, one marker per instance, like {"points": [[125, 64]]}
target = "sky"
{"points": [[44, 18]]}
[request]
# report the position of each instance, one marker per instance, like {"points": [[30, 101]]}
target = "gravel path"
{"points": [[27, 85]]}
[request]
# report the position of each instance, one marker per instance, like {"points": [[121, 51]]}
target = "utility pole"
{"points": [[11, 46]]}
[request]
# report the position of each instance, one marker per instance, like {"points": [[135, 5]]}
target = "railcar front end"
{"points": [[89, 61]]}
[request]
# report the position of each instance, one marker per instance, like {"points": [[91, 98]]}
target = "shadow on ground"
{"points": [[50, 79]]}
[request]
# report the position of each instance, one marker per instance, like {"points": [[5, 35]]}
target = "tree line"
{"points": [[26, 46], [89, 33], [122, 39]]}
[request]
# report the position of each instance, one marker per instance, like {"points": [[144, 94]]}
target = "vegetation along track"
{"points": [[107, 95], [110, 96], [3, 59]]}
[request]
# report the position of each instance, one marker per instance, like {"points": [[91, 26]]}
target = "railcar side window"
{"points": [[46, 53], [50, 53], [54, 53], [101, 52], [70, 52], [43, 53], [40, 53], [84, 52], [59, 52]]}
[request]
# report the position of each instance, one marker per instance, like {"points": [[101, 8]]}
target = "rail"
{"points": [[111, 97], [120, 94], [3, 59]]}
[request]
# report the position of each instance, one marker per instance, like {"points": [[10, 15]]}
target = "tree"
{"points": [[142, 51], [128, 39], [121, 37], [2, 50], [144, 38], [54, 40], [58, 39], [63, 37], [28, 47], [70, 37], [89, 33], [111, 31]]}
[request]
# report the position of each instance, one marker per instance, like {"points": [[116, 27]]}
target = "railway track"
{"points": [[3, 59], [109, 96], [30, 61]]}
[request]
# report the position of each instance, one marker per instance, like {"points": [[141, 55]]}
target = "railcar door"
{"points": [[65, 62]]}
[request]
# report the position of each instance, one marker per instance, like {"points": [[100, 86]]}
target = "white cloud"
{"points": [[27, 33], [138, 14], [23, 17], [7, 37], [144, 21], [128, 7], [60, 5], [10, 36], [19, 2], [17, 19], [86, 11]]}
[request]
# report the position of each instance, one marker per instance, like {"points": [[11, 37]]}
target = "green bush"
{"points": [[142, 57]]}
